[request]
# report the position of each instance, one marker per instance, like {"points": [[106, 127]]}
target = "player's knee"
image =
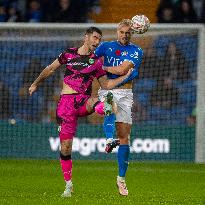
{"points": [[64, 156], [66, 151], [124, 140], [99, 107]]}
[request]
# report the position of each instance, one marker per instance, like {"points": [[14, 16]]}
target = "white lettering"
{"points": [[101, 145], [109, 59], [137, 145], [54, 143], [94, 143], [147, 146], [161, 146], [114, 61], [76, 144], [77, 64], [86, 146], [151, 146], [117, 62], [134, 55]]}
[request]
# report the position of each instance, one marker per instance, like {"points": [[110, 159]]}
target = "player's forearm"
{"points": [[112, 83], [43, 75], [117, 70]]}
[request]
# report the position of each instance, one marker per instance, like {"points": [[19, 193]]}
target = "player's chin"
{"points": [[93, 47], [124, 41]]}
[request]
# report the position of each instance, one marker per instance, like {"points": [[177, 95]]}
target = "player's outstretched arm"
{"points": [[49, 70], [121, 69], [108, 84]]}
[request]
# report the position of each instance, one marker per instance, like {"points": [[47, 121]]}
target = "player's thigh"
{"points": [[66, 146], [66, 116], [123, 131]]}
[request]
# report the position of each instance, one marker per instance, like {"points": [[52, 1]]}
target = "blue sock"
{"points": [[109, 125], [123, 158]]}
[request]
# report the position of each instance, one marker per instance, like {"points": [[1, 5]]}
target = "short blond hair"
{"points": [[125, 22]]}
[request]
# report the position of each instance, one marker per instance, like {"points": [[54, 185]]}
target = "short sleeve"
{"points": [[135, 57], [99, 71], [62, 58], [100, 50]]}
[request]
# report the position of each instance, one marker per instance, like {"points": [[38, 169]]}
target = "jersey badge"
{"points": [[91, 61], [118, 52]]}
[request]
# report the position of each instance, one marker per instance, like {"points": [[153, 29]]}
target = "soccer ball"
{"points": [[140, 24]]}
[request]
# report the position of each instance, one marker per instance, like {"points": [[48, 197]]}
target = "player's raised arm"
{"points": [[49, 70], [108, 84], [122, 69]]}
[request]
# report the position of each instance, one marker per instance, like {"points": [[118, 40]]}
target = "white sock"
{"points": [[121, 179], [69, 183]]}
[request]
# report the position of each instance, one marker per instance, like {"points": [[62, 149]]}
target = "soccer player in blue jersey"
{"points": [[119, 57]]}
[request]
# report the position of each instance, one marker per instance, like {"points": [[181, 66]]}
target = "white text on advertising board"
{"points": [[86, 146]]}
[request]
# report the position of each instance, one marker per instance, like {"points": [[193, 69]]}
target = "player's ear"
{"points": [[85, 36]]}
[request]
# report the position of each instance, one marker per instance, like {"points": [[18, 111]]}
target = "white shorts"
{"points": [[124, 100]]}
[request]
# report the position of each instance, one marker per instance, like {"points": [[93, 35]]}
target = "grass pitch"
{"points": [[41, 182]]}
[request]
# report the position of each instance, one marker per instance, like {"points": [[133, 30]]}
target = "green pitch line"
{"points": [[41, 182]]}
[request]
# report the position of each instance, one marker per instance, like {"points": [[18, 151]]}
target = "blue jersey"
{"points": [[115, 54]]}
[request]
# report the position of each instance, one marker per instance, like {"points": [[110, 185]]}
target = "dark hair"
{"points": [[92, 29]]}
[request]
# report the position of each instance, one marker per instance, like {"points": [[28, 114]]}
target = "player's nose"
{"points": [[98, 41]]}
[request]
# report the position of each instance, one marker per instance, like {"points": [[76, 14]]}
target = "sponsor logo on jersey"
{"points": [[77, 64], [114, 61], [81, 63], [134, 55]]}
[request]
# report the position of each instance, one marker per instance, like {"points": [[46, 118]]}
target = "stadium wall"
{"points": [[31, 140]]}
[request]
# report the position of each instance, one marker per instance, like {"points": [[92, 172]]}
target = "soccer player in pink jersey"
{"points": [[82, 66]]}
